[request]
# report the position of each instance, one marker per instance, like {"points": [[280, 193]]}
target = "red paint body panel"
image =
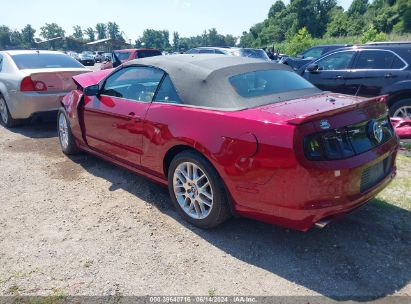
{"points": [[402, 127], [257, 152]]}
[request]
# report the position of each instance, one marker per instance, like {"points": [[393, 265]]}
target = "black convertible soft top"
{"points": [[203, 80]]}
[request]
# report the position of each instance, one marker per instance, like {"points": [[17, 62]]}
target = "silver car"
{"points": [[34, 82]]}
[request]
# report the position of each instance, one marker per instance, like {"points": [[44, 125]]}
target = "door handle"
{"points": [[339, 77], [133, 115], [389, 75]]}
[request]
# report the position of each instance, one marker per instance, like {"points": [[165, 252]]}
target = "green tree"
{"points": [[276, 8], [51, 30], [4, 37], [358, 7], [90, 33], [77, 32], [299, 42], [154, 39], [176, 42], [339, 24], [101, 30], [371, 34], [28, 33], [113, 31]]}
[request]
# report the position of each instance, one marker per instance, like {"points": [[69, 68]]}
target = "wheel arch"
{"points": [[398, 96], [177, 149]]}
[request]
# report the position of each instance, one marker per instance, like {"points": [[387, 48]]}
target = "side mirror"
{"points": [[92, 90], [312, 68], [300, 56]]}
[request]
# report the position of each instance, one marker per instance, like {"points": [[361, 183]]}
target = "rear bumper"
{"points": [[25, 105], [301, 197]]}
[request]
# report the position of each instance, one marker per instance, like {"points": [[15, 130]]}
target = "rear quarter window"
{"points": [[268, 82], [44, 61]]}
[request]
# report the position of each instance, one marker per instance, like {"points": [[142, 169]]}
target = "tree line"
{"points": [[51, 33], [295, 26], [325, 19]]}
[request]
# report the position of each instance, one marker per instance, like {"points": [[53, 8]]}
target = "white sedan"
{"points": [[34, 82]]}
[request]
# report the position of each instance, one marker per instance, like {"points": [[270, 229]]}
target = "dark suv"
{"points": [[309, 55], [369, 70]]}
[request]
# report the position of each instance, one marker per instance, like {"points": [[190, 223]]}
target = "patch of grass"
{"points": [[88, 263], [59, 296], [398, 193], [13, 289], [212, 292]]}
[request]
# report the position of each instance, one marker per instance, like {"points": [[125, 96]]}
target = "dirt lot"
{"points": [[82, 226]]}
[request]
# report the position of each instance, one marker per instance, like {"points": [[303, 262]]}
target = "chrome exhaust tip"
{"points": [[323, 223]]}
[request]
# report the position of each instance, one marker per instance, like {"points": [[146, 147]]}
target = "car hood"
{"points": [[88, 79], [298, 111]]}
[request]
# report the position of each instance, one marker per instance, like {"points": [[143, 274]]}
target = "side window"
{"points": [[1, 63], [167, 92], [374, 60], [314, 53], [336, 61], [219, 52], [397, 63], [206, 51], [134, 83]]}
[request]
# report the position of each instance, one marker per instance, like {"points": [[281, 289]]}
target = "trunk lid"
{"points": [[60, 80], [86, 80], [322, 106]]}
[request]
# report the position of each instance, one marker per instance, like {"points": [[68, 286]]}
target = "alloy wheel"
{"points": [[3, 111], [403, 112], [193, 190], [63, 131]]}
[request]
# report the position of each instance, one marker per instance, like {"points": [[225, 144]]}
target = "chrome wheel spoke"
{"points": [[403, 112], [193, 190]]}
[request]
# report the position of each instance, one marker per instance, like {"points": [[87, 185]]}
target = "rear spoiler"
{"points": [[323, 115]]}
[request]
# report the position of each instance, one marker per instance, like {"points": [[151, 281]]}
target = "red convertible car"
{"points": [[233, 135]]}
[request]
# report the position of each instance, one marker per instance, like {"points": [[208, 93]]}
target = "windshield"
{"points": [[268, 82], [123, 56], [253, 53], [148, 53], [45, 61]]}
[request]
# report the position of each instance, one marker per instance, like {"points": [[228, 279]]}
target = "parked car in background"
{"points": [[106, 57], [121, 56], [74, 55], [226, 134], [369, 70], [309, 55], [87, 58], [241, 52], [34, 82], [98, 56]]}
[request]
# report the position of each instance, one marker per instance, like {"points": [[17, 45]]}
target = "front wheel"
{"points": [[401, 109], [197, 190], [66, 139]]}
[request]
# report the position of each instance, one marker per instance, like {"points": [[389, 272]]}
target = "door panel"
{"points": [[114, 126], [332, 72]]}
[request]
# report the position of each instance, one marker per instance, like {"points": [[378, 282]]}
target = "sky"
{"points": [[188, 17]]}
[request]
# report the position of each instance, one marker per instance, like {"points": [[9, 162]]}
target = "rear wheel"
{"points": [[401, 109], [197, 191], [66, 139], [5, 117]]}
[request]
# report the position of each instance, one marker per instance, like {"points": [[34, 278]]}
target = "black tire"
{"points": [[399, 104], [69, 147], [5, 117], [220, 210]]}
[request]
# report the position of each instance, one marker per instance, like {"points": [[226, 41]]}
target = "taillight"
{"points": [[30, 85], [349, 141]]}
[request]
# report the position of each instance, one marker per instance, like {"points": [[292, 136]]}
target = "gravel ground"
{"points": [[81, 226]]}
